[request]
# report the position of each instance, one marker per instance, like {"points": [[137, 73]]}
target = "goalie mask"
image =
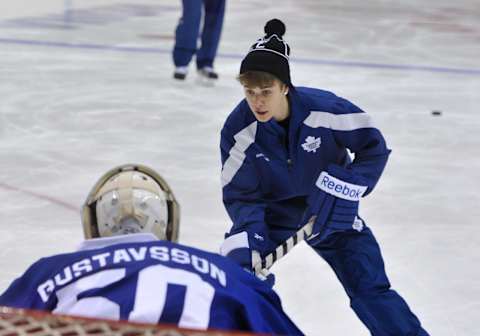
{"points": [[131, 199]]}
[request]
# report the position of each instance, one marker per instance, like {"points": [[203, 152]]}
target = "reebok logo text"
{"points": [[339, 188]]}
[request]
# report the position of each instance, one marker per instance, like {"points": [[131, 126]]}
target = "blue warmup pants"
{"points": [[356, 259], [187, 32]]}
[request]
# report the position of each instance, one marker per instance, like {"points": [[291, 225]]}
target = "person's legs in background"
{"points": [[186, 36], [211, 32]]}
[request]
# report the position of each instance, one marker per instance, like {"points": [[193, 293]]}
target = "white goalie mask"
{"points": [[131, 199]]}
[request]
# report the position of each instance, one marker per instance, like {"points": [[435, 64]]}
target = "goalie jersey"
{"points": [[141, 279]]}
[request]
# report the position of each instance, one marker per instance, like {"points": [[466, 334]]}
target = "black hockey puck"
{"points": [[436, 113]]}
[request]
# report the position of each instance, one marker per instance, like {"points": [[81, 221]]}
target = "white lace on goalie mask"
{"points": [[132, 210]]}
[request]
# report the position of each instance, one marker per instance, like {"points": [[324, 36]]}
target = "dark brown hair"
{"points": [[257, 78]]}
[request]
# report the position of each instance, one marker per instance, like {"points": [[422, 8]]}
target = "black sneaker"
{"points": [[180, 73], [207, 72]]}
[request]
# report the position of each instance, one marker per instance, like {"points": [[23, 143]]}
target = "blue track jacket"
{"points": [[267, 177]]}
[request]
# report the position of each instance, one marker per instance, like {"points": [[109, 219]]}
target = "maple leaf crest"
{"points": [[311, 144]]}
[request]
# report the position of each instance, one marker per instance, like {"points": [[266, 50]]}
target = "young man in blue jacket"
{"points": [[289, 153]]}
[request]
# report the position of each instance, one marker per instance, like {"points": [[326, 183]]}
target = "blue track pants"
{"points": [[188, 29], [356, 259]]}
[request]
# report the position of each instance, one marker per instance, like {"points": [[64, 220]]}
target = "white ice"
{"points": [[85, 90]]}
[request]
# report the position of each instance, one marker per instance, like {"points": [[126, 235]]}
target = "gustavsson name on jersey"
{"points": [[126, 255], [138, 278]]}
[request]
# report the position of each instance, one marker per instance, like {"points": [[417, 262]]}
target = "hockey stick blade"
{"points": [[282, 249]]}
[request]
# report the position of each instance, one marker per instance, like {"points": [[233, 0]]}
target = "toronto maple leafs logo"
{"points": [[311, 144], [357, 224]]}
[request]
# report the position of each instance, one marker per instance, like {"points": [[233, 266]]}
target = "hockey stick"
{"points": [[285, 247]]}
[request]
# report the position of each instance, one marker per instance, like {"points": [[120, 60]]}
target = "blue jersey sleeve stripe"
{"points": [[243, 140], [339, 122]]}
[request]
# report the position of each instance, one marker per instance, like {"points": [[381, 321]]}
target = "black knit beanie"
{"points": [[270, 53]]}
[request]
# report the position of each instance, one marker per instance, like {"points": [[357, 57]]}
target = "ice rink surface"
{"points": [[86, 89]]}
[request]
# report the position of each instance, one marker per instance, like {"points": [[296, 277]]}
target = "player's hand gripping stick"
{"points": [[282, 249]]}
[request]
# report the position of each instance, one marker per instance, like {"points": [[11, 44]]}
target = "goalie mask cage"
{"points": [[20, 322]]}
